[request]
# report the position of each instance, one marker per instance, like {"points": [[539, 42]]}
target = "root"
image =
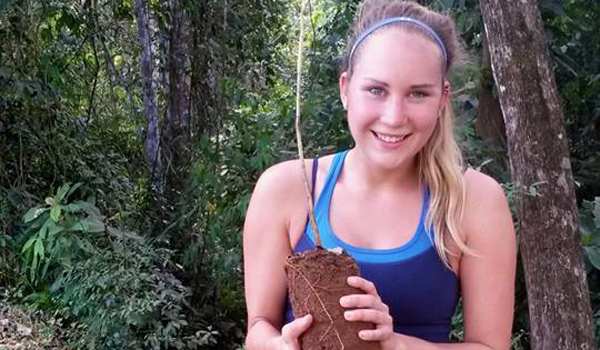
{"points": [[331, 326], [326, 331]]}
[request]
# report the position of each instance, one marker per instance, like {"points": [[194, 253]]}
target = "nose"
{"points": [[394, 113]]}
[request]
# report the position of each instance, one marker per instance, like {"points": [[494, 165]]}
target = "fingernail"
{"points": [[343, 301], [348, 315]]}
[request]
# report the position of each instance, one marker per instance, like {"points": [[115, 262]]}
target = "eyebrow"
{"points": [[417, 86], [422, 86], [377, 81]]}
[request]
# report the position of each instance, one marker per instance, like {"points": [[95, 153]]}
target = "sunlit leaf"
{"points": [[62, 192], [44, 230], [38, 248], [55, 212], [34, 213], [28, 244]]}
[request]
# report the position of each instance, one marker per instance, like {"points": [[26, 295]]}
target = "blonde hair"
{"points": [[440, 160]]}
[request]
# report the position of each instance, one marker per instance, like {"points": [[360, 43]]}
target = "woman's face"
{"points": [[394, 96]]}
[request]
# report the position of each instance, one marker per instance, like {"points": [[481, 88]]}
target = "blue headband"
{"points": [[385, 22]]}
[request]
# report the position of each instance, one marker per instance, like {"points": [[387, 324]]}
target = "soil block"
{"points": [[317, 279]]}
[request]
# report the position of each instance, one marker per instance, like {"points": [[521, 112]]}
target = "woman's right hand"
{"points": [[290, 333]]}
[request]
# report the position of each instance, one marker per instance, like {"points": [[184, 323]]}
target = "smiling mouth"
{"points": [[390, 138]]}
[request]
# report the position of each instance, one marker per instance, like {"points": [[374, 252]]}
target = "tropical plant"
{"points": [[56, 233]]}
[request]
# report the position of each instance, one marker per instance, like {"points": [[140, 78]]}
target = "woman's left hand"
{"points": [[369, 308]]}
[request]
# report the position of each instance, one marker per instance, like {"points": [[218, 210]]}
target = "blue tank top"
{"points": [[411, 279]]}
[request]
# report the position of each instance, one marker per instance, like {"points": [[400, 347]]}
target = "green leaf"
{"points": [[55, 212], [95, 226], [83, 205], [77, 227], [76, 206], [596, 238], [34, 213], [53, 228], [45, 269], [38, 248], [33, 267], [596, 212], [62, 191], [44, 230], [594, 256], [586, 239], [28, 244], [73, 189]]}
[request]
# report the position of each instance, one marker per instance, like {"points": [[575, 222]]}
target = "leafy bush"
{"points": [[122, 298], [56, 233], [114, 288]]}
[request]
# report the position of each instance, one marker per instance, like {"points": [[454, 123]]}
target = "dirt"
{"points": [[316, 282], [21, 329]]}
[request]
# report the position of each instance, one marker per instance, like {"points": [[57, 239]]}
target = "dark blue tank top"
{"points": [[411, 279]]}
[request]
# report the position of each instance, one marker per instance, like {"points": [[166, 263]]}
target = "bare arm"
{"points": [[266, 246], [487, 280]]}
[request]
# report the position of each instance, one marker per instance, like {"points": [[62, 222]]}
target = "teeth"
{"points": [[389, 138]]}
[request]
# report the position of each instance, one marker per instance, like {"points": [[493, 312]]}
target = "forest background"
{"points": [[132, 132]]}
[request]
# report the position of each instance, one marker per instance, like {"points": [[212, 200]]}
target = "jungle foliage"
{"points": [[89, 241]]}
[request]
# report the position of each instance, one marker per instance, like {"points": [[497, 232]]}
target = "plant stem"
{"points": [[307, 184]]}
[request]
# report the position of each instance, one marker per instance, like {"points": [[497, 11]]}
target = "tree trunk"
{"points": [[559, 304], [152, 142], [489, 124], [178, 116]]}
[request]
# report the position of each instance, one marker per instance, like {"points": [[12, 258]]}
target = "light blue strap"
{"points": [[419, 243]]}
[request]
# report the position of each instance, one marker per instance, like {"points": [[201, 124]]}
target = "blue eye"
{"points": [[419, 94], [376, 91]]}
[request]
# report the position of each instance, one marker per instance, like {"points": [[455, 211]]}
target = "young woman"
{"points": [[422, 230]]}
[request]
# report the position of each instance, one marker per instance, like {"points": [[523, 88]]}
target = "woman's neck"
{"points": [[365, 176]]}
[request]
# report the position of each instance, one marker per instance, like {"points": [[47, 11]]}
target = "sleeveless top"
{"points": [[420, 291]]}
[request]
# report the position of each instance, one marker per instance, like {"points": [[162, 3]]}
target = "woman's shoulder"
{"points": [[280, 194], [480, 187], [485, 202], [284, 180], [287, 175]]}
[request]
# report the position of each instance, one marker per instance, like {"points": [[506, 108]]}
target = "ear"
{"points": [[343, 87], [446, 94]]}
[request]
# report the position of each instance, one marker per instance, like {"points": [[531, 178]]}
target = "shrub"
{"points": [[55, 233], [123, 298]]}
